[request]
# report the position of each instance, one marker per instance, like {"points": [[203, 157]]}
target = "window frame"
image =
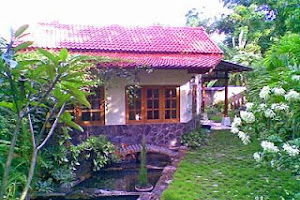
{"points": [[162, 108], [78, 111]]}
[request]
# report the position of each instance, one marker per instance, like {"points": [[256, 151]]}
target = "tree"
{"points": [[30, 85]]}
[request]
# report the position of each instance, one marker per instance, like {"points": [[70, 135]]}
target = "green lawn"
{"points": [[224, 169]]}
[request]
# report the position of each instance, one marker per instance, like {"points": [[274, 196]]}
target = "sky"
{"points": [[103, 12]]}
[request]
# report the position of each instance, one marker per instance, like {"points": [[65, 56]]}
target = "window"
{"points": [[95, 114], [194, 100], [171, 111], [152, 104]]}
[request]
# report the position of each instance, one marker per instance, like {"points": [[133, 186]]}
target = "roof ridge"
{"points": [[55, 22]]}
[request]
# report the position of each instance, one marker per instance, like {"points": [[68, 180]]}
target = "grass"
{"points": [[225, 169]]}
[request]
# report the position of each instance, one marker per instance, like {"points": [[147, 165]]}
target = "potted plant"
{"points": [[143, 185]]}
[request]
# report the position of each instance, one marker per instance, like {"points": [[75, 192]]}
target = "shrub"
{"points": [[195, 139], [97, 148], [274, 120]]}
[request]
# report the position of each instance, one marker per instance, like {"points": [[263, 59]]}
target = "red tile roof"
{"points": [[157, 46], [160, 60]]}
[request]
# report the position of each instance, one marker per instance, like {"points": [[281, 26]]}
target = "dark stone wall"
{"points": [[165, 134]]}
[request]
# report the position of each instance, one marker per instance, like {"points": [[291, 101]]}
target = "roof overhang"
{"points": [[183, 61], [222, 69], [226, 66]]}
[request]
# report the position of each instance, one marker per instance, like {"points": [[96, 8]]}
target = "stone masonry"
{"points": [[164, 134]]}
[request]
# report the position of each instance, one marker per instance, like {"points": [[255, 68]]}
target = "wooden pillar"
{"points": [[203, 97], [226, 95]]}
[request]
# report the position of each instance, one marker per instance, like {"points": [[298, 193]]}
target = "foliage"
{"points": [[224, 169], [22, 156], [45, 186], [195, 139], [274, 120], [96, 148], [266, 19], [34, 93], [63, 175], [143, 174]]}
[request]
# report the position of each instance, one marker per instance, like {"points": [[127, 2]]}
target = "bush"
{"points": [[195, 139], [97, 148]]}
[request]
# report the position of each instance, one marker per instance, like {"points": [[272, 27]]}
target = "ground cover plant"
{"points": [[195, 139], [225, 169]]}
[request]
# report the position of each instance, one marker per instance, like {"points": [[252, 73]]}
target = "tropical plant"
{"points": [[195, 139], [38, 89], [95, 148], [143, 174], [274, 120]]}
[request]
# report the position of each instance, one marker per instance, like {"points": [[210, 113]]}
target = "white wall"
{"points": [[115, 93]]}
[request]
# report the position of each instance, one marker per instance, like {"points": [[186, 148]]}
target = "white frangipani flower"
{"points": [[257, 157], [279, 107], [244, 137], [278, 91], [269, 113], [269, 147], [234, 130], [292, 95], [262, 106], [296, 77], [248, 117], [236, 122], [265, 93], [291, 150], [249, 106]]}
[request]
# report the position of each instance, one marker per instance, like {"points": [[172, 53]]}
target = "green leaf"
{"points": [[7, 104], [60, 96], [74, 125], [50, 69], [34, 103], [79, 95], [39, 70], [63, 54], [23, 45], [21, 30], [28, 62], [49, 55]]}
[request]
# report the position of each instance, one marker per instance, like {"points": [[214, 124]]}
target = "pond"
{"points": [[124, 176], [120, 177]]}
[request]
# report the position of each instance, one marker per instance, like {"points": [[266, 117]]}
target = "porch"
{"points": [[221, 72]]}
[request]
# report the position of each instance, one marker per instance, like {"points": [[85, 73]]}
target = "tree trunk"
{"points": [[30, 174]]}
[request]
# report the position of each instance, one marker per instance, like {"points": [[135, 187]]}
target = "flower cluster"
{"points": [[291, 150], [269, 113], [278, 91], [248, 117], [257, 157], [269, 147], [249, 106], [244, 137], [279, 107], [292, 96], [235, 124], [265, 93], [296, 77], [262, 106]]}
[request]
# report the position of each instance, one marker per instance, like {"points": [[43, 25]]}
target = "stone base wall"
{"points": [[165, 134]]}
